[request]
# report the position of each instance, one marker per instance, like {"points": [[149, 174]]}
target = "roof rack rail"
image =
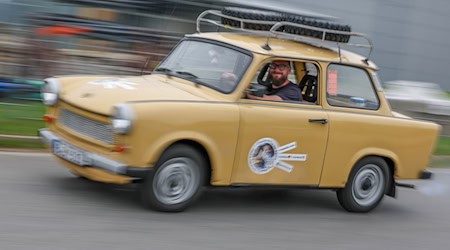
{"points": [[277, 29]]}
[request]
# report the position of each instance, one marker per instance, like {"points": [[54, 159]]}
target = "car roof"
{"points": [[287, 48]]}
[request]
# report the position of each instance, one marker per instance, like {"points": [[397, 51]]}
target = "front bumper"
{"points": [[98, 161]]}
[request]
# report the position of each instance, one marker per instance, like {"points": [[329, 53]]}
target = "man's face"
{"points": [[279, 70], [267, 149]]}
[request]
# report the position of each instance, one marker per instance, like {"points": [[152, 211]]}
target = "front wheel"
{"points": [[176, 181], [366, 185]]}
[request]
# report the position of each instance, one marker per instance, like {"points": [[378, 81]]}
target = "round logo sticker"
{"points": [[266, 155], [263, 155]]}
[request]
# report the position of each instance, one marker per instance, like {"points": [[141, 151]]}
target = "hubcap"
{"points": [[176, 181], [368, 185]]}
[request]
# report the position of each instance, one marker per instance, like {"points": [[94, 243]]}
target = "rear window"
{"points": [[350, 87]]}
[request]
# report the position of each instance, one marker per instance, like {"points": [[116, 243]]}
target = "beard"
{"points": [[279, 81]]}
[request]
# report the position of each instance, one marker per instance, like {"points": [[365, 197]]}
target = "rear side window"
{"points": [[350, 87]]}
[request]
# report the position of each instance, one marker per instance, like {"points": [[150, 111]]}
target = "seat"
{"points": [[308, 87]]}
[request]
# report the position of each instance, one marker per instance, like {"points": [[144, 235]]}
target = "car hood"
{"points": [[100, 94]]}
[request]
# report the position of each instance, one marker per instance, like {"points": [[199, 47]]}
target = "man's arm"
{"points": [[265, 97]]}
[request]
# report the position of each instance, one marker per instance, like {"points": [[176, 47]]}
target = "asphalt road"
{"points": [[44, 207]]}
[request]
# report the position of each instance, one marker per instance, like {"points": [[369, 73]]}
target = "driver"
{"points": [[281, 88]]}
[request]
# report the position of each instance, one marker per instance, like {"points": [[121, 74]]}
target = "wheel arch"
{"points": [[201, 149], [389, 156], [387, 159], [368, 182], [220, 153], [390, 189], [391, 162], [182, 170]]}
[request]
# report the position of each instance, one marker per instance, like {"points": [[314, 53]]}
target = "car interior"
{"points": [[304, 74]]}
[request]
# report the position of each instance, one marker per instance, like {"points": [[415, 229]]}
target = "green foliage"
{"points": [[443, 146], [21, 118], [21, 144]]}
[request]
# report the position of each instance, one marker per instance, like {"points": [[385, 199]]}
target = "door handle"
{"points": [[321, 121]]}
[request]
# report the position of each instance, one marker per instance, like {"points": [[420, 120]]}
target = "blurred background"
{"points": [[42, 38]]}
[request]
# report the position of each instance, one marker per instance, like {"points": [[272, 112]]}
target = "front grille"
{"points": [[86, 126]]}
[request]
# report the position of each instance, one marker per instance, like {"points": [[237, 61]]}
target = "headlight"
{"points": [[50, 92], [122, 118]]}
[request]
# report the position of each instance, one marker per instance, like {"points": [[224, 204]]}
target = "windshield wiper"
{"points": [[186, 73], [164, 70], [169, 73]]}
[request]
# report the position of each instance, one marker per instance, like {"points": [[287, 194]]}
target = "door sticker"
{"points": [[266, 154]]}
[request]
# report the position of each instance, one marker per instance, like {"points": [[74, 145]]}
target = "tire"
{"points": [[177, 180], [334, 37], [366, 185], [280, 17], [251, 15]]}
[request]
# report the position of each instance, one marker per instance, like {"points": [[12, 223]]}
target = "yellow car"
{"points": [[189, 124]]}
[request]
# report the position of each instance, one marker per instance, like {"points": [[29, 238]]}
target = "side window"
{"points": [[262, 76], [302, 75], [350, 87], [275, 81]]}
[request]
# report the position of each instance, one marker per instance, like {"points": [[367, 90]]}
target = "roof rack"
{"points": [[276, 31]]}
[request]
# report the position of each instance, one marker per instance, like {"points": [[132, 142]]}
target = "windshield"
{"points": [[208, 64]]}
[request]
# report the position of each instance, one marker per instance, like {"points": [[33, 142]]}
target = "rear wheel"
{"points": [[176, 181], [366, 185]]}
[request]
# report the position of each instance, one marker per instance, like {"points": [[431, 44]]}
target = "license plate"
{"points": [[69, 152]]}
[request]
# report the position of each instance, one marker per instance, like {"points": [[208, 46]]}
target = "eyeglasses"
{"points": [[279, 66]]}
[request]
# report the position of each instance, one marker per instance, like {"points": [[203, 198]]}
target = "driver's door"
{"points": [[280, 143]]}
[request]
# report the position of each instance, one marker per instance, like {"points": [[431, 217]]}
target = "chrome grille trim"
{"points": [[86, 126]]}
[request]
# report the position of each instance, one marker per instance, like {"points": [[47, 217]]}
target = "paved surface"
{"points": [[44, 207]]}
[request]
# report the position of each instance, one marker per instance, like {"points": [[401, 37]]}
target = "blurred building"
{"points": [[410, 37], [49, 37]]}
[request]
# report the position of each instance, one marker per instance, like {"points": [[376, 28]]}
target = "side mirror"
{"points": [[264, 77], [258, 90]]}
